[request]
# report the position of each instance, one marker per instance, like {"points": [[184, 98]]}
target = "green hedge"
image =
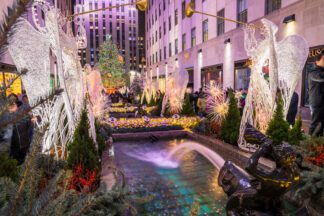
{"points": [[136, 130]]}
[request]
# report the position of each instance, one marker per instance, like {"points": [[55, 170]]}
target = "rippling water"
{"points": [[176, 187]]}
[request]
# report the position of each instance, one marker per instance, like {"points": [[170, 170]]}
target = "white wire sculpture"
{"points": [[286, 59], [175, 91], [30, 48]]}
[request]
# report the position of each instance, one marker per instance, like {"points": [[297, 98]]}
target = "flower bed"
{"points": [[143, 129], [120, 104], [131, 109], [184, 122]]}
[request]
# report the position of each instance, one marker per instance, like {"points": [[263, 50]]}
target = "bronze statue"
{"points": [[255, 191]]}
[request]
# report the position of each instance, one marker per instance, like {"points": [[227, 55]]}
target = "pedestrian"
{"points": [[20, 140], [316, 96], [293, 109]]}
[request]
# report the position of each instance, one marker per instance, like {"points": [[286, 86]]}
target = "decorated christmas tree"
{"points": [[111, 65]]}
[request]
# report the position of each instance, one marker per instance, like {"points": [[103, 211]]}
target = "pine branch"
{"points": [[29, 163], [57, 92], [85, 206], [11, 21]]}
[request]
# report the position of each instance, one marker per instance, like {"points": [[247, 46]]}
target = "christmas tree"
{"points": [[230, 127], [111, 65], [152, 101], [278, 127], [187, 109]]}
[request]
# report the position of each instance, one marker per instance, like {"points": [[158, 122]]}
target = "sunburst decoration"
{"points": [[174, 105], [216, 102]]}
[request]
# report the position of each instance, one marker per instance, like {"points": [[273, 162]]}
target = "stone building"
{"points": [[213, 49]]}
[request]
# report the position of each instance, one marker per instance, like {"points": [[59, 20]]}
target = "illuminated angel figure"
{"points": [[34, 49], [284, 60]]}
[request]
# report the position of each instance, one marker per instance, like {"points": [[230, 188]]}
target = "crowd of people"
{"points": [[126, 98]]}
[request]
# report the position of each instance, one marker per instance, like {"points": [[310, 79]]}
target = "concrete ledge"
{"points": [[171, 134]]}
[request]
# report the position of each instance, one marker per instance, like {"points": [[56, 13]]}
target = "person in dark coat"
{"points": [[316, 96], [293, 109], [20, 140]]}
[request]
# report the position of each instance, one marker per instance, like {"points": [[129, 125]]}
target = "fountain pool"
{"points": [[179, 187]]}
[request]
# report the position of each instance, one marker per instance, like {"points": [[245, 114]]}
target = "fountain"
{"points": [[181, 150]]}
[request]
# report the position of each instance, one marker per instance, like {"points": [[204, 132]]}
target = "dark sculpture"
{"points": [[254, 191]]}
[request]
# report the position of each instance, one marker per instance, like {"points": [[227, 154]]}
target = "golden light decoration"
{"points": [[219, 111], [141, 5], [175, 105], [121, 59], [190, 10]]}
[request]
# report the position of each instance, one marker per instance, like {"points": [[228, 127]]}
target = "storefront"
{"points": [[8, 73], [310, 64], [211, 74], [241, 75]]}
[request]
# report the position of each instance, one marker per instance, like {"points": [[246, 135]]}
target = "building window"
{"points": [[156, 57], [176, 17], [242, 78], [164, 53], [160, 32], [183, 42], [193, 37], [272, 5], [163, 4], [156, 37], [220, 22], [170, 49], [160, 55], [155, 14], [241, 11], [205, 30], [164, 28], [159, 9], [183, 9], [176, 46], [169, 23]]}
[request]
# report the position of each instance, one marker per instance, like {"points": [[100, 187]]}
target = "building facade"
{"points": [[7, 66], [212, 49], [121, 23]]}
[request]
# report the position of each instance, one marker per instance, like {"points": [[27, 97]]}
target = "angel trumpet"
{"points": [[190, 10], [141, 4]]}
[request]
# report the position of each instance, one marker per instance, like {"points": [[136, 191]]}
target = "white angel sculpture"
{"points": [[285, 59], [31, 48]]}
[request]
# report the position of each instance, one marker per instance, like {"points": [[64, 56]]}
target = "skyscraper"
{"points": [[121, 23]]}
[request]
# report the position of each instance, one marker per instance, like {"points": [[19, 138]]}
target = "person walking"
{"points": [[293, 109], [316, 96]]}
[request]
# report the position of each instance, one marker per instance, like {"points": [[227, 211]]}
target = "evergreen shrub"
{"points": [[296, 134], [230, 127], [82, 150], [187, 109], [8, 167], [278, 128]]}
